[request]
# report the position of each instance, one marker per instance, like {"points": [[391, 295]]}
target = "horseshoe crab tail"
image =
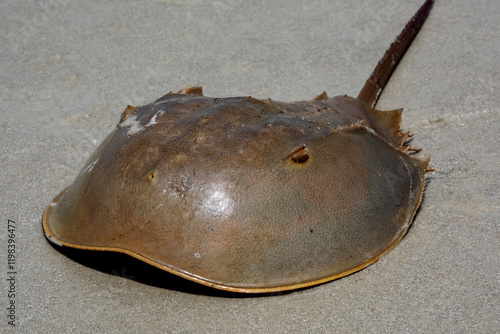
{"points": [[382, 72]]}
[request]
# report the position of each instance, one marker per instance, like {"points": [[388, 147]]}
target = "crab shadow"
{"points": [[127, 267]]}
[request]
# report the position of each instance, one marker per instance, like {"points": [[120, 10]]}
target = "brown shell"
{"points": [[243, 194]]}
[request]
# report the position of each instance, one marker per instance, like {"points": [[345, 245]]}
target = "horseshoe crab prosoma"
{"points": [[249, 195]]}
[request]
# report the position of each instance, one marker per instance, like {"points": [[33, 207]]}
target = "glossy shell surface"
{"points": [[243, 194]]}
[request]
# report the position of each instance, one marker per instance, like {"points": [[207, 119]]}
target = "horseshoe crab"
{"points": [[250, 195]]}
